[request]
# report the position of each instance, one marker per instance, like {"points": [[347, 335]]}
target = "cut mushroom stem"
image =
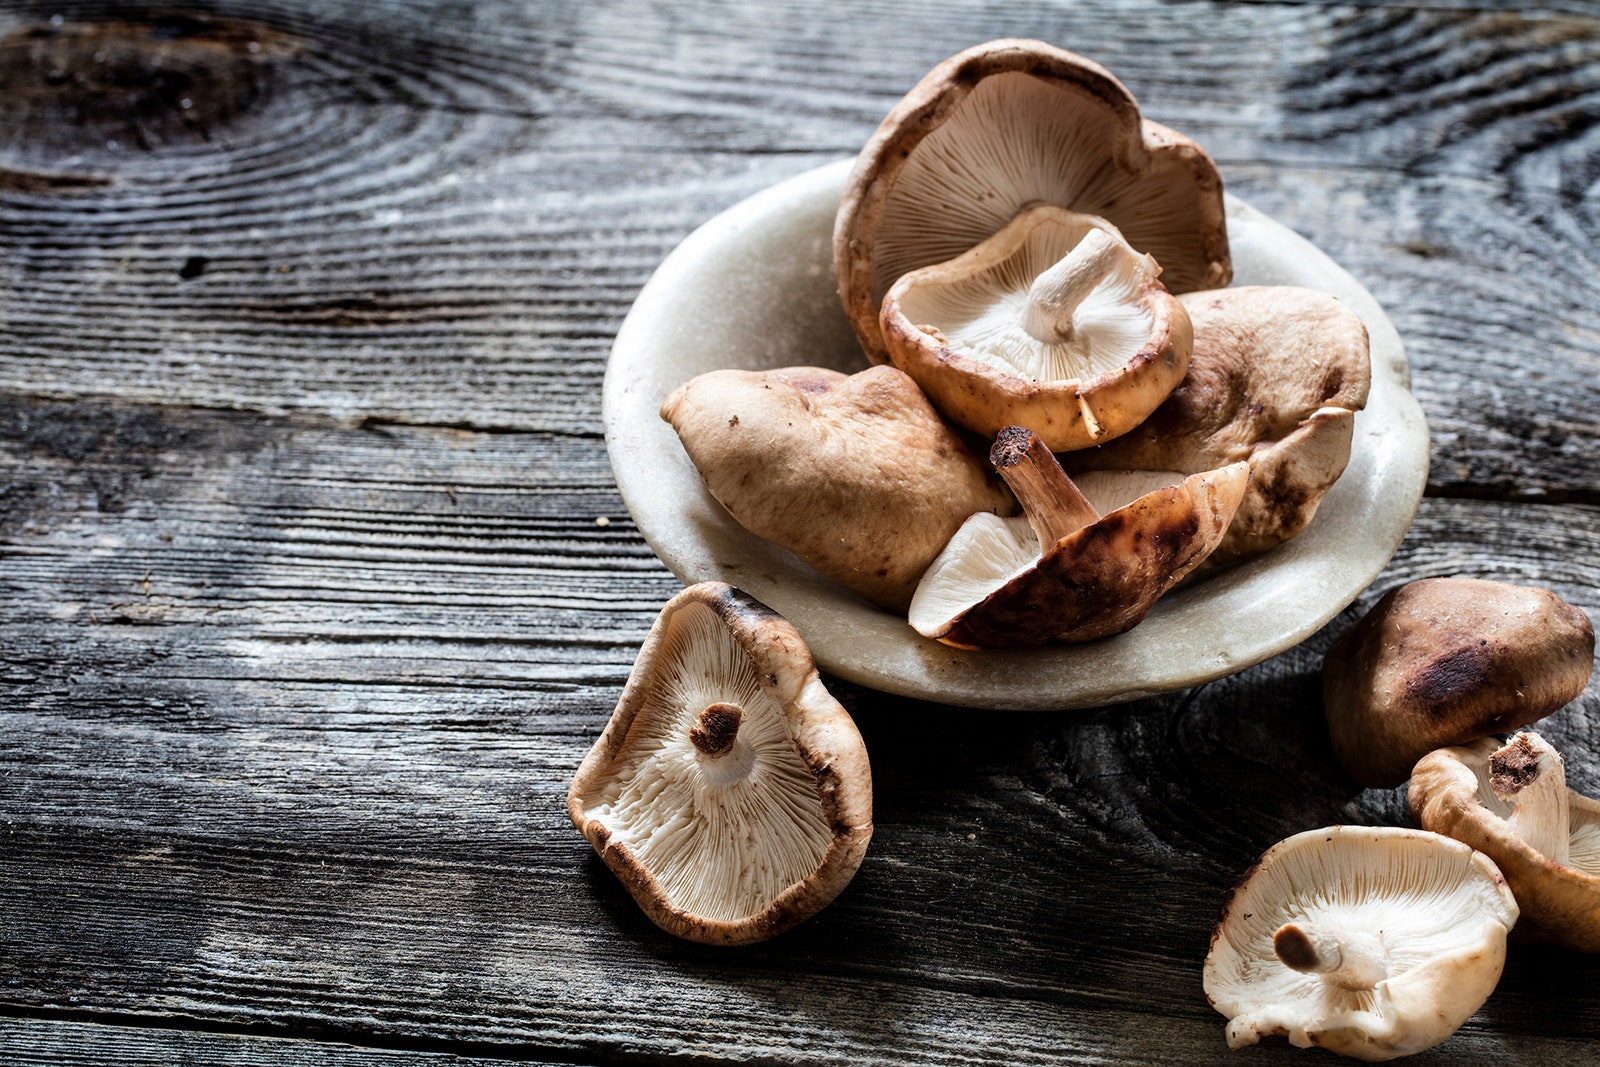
{"points": [[716, 728], [1346, 959], [1054, 505], [1528, 774], [1055, 295]]}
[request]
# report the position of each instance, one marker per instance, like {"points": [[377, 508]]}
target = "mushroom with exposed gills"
{"points": [[730, 792], [1276, 376], [855, 474], [1372, 942], [1065, 572], [1444, 661], [1002, 126], [1054, 323], [1512, 803]]}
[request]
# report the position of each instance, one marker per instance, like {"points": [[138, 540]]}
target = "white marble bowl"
{"points": [[754, 288]]}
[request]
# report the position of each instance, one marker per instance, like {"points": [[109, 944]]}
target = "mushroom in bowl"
{"points": [[998, 128], [1054, 323]]}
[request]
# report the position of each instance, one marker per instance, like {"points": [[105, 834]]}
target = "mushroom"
{"points": [[1443, 661], [1000, 127], [1065, 572], [1054, 323], [1275, 378], [855, 474], [730, 792], [1512, 804], [1369, 941]]}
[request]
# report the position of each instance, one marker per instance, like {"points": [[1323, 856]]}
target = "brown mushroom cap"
{"points": [[1451, 793], [1276, 374], [1443, 661], [1054, 323], [855, 474], [729, 792], [1072, 576], [1370, 941], [999, 127]]}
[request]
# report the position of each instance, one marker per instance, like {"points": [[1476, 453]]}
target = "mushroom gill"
{"points": [[715, 799]]}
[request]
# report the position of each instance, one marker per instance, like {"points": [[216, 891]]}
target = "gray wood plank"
{"points": [[307, 608], [455, 237], [314, 781]]}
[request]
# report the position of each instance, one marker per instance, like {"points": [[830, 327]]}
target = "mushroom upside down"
{"points": [[729, 792]]}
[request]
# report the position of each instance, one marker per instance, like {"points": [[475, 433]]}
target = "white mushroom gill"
{"points": [[985, 553], [1401, 903], [724, 834], [1017, 140], [1065, 304]]}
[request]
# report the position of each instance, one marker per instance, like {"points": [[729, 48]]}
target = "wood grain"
{"points": [[315, 585]]}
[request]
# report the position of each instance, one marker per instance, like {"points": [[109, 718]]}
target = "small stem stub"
{"points": [[1054, 505], [1353, 962], [1529, 775], [716, 728], [1056, 293]]}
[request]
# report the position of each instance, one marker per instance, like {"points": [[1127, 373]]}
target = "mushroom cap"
{"points": [[1439, 910], [1276, 374], [1450, 794], [855, 474], [991, 587], [960, 329], [1004, 125], [1443, 661], [735, 847]]}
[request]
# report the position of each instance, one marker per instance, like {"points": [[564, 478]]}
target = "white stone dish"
{"points": [[754, 288]]}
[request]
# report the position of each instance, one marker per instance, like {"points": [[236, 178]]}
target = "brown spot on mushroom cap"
{"points": [[1099, 156], [1451, 793], [1275, 376], [1443, 661]]}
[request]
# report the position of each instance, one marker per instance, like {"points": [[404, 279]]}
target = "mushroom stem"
{"points": [[1054, 505], [1056, 294], [1528, 774], [1347, 960], [716, 728]]}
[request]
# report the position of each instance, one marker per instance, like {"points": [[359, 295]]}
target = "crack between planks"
{"points": [[1507, 494], [327, 1034]]}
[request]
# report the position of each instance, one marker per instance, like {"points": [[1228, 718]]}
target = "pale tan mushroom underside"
{"points": [[735, 861]]}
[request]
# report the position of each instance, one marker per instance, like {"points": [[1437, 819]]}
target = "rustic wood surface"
{"points": [[315, 585]]}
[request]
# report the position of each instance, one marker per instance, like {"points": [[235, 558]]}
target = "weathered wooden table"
{"points": [[316, 586]]}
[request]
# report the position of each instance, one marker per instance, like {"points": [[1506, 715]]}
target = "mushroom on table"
{"points": [[730, 792], [1512, 803], [1372, 942], [1445, 661]]}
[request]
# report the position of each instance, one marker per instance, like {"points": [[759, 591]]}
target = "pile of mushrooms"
{"points": [[1007, 250], [1433, 669]]}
